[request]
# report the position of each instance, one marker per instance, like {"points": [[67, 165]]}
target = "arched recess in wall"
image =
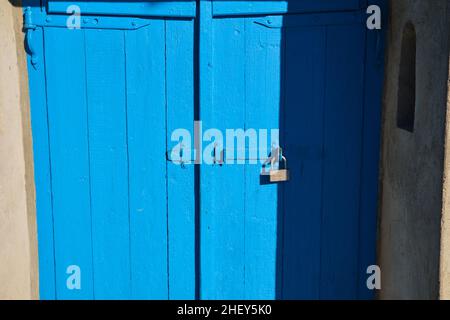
{"points": [[407, 80]]}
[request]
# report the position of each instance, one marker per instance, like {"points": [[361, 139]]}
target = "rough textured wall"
{"points": [[18, 249], [413, 162]]}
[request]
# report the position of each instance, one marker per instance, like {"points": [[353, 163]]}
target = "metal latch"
{"points": [[29, 27]]}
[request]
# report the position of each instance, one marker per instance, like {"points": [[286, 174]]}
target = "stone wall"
{"points": [[412, 162]]}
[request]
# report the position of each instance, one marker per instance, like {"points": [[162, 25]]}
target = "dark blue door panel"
{"points": [[300, 239], [236, 7], [106, 99], [328, 213]]}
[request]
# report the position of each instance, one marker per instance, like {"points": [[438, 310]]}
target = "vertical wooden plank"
{"points": [[222, 188], [343, 141], [263, 49], [180, 185], [146, 115], [67, 116], [105, 69], [302, 139], [205, 68], [374, 64], [42, 174]]}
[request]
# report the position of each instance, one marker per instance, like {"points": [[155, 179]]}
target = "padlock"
{"points": [[276, 173], [280, 175]]}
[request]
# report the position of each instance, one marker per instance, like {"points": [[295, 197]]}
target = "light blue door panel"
{"points": [[180, 184], [223, 260], [109, 112], [42, 174], [151, 8], [107, 121], [239, 217], [262, 81], [146, 98], [69, 159]]}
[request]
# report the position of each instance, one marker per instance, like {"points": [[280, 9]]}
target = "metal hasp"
{"points": [[29, 27]]}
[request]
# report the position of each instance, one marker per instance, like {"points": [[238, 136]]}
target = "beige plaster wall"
{"points": [[18, 245]]}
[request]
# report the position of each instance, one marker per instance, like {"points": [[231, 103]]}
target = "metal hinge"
{"points": [[29, 28]]}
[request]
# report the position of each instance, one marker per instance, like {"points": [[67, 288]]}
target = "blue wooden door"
{"points": [[104, 98], [314, 75], [119, 218]]}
